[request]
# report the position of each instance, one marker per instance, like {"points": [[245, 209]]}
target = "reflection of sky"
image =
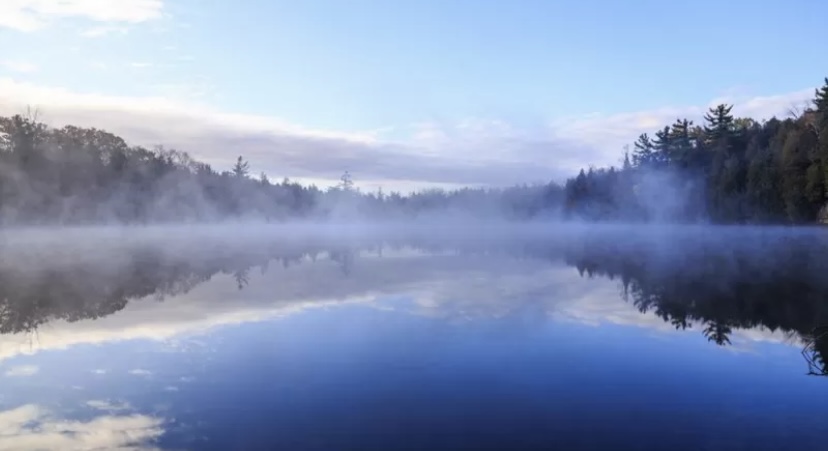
{"points": [[447, 349]]}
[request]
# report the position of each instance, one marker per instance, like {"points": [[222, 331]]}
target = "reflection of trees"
{"points": [[344, 258], [816, 351], [242, 277], [89, 288], [721, 283]]}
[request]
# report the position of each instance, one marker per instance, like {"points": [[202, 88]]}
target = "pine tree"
{"points": [[764, 180], [723, 181], [821, 104], [720, 123], [346, 183], [683, 143], [821, 127], [664, 147], [796, 168], [627, 166], [241, 168], [643, 155]]}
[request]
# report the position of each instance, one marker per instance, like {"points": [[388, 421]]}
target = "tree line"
{"points": [[727, 170], [75, 175]]}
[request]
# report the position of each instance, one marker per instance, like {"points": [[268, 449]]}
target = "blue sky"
{"points": [[458, 88]]}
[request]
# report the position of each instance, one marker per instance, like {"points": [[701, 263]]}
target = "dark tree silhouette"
{"points": [[730, 170]]}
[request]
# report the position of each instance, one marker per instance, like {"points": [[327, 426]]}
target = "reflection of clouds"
{"points": [[219, 302], [22, 371], [454, 287], [557, 292], [499, 292], [33, 427], [140, 372], [108, 406], [604, 306]]}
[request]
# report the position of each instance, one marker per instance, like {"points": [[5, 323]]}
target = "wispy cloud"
{"points": [[22, 371], [613, 131], [471, 152], [32, 15], [24, 67]]}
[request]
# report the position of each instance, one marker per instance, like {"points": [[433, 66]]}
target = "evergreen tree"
{"points": [[728, 170], [719, 123], [764, 179], [644, 153], [664, 147], [683, 143], [797, 171], [627, 166], [241, 168], [346, 183], [821, 126]]}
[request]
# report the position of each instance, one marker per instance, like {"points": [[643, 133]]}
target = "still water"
{"points": [[601, 338]]}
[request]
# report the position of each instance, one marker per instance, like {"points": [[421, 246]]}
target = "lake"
{"points": [[378, 338]]}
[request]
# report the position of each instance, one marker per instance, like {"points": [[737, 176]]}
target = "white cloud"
{"points": [[612, 132], [140, 372], [22, 371], [19, 66], [140, 65], [99, 371], [470, 152], [33, 427], [31, 15]]}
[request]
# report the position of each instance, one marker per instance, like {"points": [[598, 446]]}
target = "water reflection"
{"points": [[731, 281], [734, 287], [763, 281], [34, 427], [815, 350]]}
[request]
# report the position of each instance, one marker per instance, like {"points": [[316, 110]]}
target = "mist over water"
{"points": [[203, 297], [429, 336]]}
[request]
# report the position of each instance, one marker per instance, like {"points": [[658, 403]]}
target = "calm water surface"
{"points": [[602, 339]]}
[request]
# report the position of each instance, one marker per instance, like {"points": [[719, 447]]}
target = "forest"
{"points": [[74, 175], [727, 170]]}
